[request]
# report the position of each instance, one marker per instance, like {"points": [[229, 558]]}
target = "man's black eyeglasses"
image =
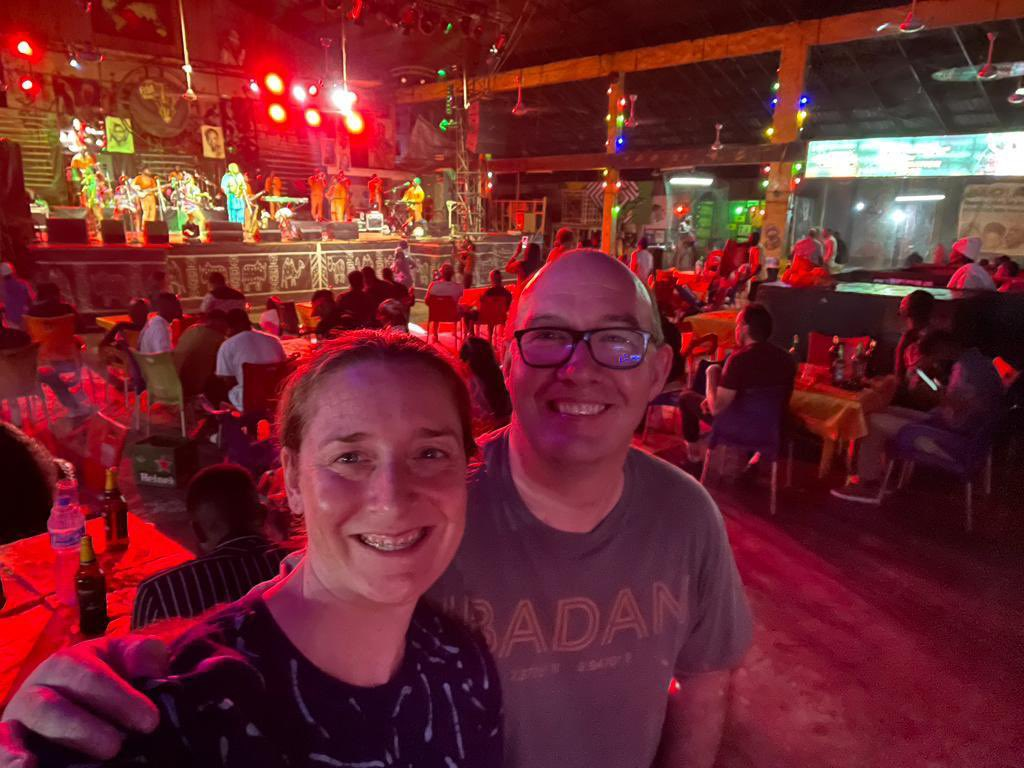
{"points": [[618, 348]]}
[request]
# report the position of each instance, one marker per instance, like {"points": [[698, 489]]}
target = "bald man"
{"points": [[594, 571]]}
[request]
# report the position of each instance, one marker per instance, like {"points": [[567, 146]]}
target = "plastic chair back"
{"points": [[162, 382], [289, 318], [819, 344], [442, 311], [964, 453], [493, 310], [104, 443], [753, 421], [261, 385], [18, 372], [55, 336], [304, 310]]}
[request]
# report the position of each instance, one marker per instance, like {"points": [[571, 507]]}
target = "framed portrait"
{"points": [[120, 139], [213, 141]]}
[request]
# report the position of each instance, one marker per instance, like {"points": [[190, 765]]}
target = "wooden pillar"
{"points": [[609, 216], [785, 129]]}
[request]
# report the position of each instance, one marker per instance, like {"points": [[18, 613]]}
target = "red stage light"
{"points": [[24, 48], [298, 93], [313, 90], [313, 118], [254, 87], [354, 122], [274, 83], [277, 113], [27, 84]]}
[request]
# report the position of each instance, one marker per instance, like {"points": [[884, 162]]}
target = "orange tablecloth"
{"points": [[33, 624], [721, 322], [837, 415], [108, 322]]}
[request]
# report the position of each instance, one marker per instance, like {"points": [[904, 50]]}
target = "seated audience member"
{"points": [[1007, 277], [641, 261], [393, 314], [227, 519], [322, 303], [396, 290], [374, 287], [356, 303], [972, 276], [221, 295], [138, 314], [270, 318], [967, 403], [403, 266], [809, 249], [497, 288], [16, 295], [28, 476], [756, 364], [156, 334], [195, 357], [50, 303], [563, 242], [524, 262], [444, 287], [753, 246], [492, 406], [190, 230], [244, 345], [916, 310]]}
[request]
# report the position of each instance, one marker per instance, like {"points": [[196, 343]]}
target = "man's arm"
{"points": [[694, 721]]}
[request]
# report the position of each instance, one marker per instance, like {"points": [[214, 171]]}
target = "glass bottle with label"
{"points": [[91, 588], [115, 512]]}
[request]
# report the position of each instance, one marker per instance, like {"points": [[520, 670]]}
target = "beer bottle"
{"points": [[91, 587], [115, 512]]}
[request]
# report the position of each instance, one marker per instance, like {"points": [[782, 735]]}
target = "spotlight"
{"points": [[313, 90], [860, 206], [24, 48], [343, 99], [277, 113], [409, 18], [898, 216], [313, 118], [298, 93], [73, 61], [274, 83], [354, 122], [27, 84], [253, 87]]}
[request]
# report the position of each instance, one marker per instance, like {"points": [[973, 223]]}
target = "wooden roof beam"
{"points": [[936, 14]]}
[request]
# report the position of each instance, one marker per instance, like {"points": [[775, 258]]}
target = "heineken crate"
{"points": [[163, 461]]}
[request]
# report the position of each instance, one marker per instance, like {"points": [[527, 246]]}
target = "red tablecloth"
{"points": [[33, 624]]}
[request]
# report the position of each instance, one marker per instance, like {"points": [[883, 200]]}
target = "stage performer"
{"points": [[274, 187], [413, 197], [375, 188], [126, 204], [338, 194], [147, 188], [317, 188], [233, 184], [82, 165], [188, 199]]}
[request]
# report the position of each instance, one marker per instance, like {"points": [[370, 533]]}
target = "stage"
{"points": [[102, 279]]}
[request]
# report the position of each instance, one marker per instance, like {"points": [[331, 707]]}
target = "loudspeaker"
{"points": [[270, 235], [156, 233], [311, 230], [225, 231], [68, 212], [67, 231], [343, 230], [112, 232]]}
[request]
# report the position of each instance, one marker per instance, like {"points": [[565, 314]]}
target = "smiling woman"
{"points": [[340, 662]]}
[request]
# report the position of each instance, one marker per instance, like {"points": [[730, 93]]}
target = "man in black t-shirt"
{"points": [[221, 296], [498, 289], [357, 302], [756, 364]]}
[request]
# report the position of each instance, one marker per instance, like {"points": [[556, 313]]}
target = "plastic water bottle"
{"points": [[66, 526]]}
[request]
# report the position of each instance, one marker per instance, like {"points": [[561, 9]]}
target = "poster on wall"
{"points": [[995, 213], [213, 141], [76, 97], [139, 21], [120, 139], [382, 143]]}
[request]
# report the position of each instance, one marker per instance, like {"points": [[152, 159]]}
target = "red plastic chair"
{"points": [[104, 444], [443, 311], [493, 314], [819, 344]]}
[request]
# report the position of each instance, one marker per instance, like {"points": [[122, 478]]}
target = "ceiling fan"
{"points": [[986, 72], [908, 26]]}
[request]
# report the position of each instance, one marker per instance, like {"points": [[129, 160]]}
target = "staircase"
{"points": [[36, 133]]}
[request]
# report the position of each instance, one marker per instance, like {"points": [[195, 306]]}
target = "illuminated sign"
{"points": [[978, 154]]}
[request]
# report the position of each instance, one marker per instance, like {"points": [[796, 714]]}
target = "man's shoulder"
{"points": [[665, 488]]}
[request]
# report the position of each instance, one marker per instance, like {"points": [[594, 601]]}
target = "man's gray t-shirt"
{"points": [[588, 629]]}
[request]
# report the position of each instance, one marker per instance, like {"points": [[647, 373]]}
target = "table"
{"points": [[721, 323], [837, 415], [33, 624]]}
